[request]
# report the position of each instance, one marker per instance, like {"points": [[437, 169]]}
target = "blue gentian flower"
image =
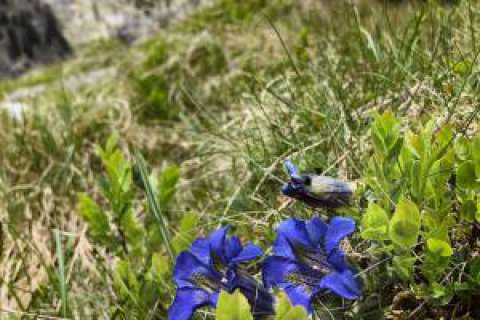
{"points": [[211, 265], [317, 191], [307, 260]]}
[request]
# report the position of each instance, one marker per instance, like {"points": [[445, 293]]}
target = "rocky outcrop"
{"points": [[29, 35], [86, 20]]}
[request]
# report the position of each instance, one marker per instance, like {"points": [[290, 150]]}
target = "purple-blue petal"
{"points": [[248, 253], [299, 296], [233, 247], [186, 301], [201, 249], [283, 248], [317, 230], [188, 265], [260, 298], [213, 299], [295, 231], [343, 284], [291, 169], [338, 229], [336, 258], [275, 269], [217, 242]]}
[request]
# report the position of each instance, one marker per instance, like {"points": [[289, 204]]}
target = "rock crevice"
{"points": [[29, 35]]}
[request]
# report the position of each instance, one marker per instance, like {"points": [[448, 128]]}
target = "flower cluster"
{"points": [[307, 261], [214, 264]]}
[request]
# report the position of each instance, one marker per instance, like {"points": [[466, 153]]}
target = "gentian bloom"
{"points": [[211, 265], [317, 191], [307, 260]]}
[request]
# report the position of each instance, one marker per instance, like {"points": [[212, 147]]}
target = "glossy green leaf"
{"points": [[466, 175], [403, 266], [439, 247], [386, 135], [375, 223], [285, 310], [405, 224], [462, 148], [233, 307]]}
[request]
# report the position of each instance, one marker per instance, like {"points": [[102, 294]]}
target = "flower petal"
{"points": [[186, 301], [188, 266], [233, 247], [295, 231], [260, 298], [343, 284], [217, 242], [317, 229], [299, 295], [291, 169], [336, 258], [275, 269], [213, 300], [201, 250], [338, 229], [283, 248], [248, 253]]}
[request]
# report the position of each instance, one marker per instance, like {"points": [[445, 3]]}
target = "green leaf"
{"points": [[154, 206], [468, 208], [95, 217], [126, 281], [160, 266], [438, 291], [403, 266], [463, 67], [386, 135], [466, 175], [474, 269], [285, 310], [62, 280], [405, 224], [375, 223], [186, 233], [233, 307], [475, 146], [477, 213], [132, 230], [167, 182], [439, 247], [462, 148]]}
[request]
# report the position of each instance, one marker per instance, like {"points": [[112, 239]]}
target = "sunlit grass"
{"points": [[228, 95]]}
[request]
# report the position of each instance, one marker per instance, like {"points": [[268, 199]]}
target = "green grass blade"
{"points": [[62, 281], [154, 205]]}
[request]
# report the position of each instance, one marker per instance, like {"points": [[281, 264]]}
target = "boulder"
{"points": [[29, 36]]}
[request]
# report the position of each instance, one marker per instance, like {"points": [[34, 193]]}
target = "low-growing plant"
{"points": [[134, 235], [421, 184]]}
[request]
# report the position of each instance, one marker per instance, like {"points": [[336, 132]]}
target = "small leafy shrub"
{"points": [[422, 208], [139, 248]]}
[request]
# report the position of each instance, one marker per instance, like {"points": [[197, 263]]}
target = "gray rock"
{"points": [[29, 35]]}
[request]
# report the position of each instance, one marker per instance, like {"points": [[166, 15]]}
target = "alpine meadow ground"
{"points": [[107, 187]]}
